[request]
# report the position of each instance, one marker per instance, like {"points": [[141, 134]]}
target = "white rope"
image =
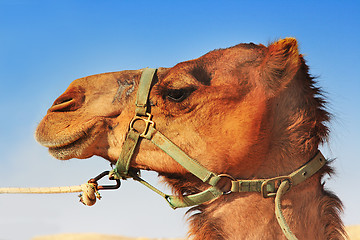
{"points": [[45, 190], [88, 196]]}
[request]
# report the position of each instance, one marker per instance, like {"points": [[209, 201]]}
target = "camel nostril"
{"points": [[60, 101], [69, 101], [62, 105]]}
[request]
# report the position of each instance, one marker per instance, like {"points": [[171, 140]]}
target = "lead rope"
{"points": [[89, 190], [88, 195], [283, 188]]}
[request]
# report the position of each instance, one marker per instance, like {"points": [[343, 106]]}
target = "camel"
{"points": [[248, 112]]}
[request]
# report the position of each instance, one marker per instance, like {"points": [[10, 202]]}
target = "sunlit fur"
{"points": [[250, 111]]}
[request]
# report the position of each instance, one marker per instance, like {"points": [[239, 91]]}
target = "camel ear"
{"points": [[280, 65]]}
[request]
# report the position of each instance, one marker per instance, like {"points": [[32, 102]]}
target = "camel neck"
{"points": [[250, 216]]}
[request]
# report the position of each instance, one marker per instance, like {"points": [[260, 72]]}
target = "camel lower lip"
{"points": [[64, 141], [68, 145], [71, 149]]}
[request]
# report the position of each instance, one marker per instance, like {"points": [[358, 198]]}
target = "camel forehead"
{"points": [[217, 63], [241, 51]]}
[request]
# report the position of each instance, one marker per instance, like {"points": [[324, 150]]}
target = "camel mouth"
{"points": [[71, 146]]}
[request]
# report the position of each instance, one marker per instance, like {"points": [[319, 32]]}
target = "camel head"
{"points": [[244, 112], [229, 109]]}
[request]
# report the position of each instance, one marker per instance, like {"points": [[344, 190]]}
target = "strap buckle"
{"points": [[148, 123], [270, 186]]}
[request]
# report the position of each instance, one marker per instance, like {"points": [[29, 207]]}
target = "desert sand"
{"points": [[353, 231], [94, 236]]}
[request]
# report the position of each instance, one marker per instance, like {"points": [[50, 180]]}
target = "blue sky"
{"points": [[44, 45]]}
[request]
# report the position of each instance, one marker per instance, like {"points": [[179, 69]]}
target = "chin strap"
{"points": [[271, 187]]}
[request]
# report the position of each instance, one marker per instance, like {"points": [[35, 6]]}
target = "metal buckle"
{"points": [[147, 121], [276, 181]]}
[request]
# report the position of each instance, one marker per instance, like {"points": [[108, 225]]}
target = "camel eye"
{"points": [[178, 95]]}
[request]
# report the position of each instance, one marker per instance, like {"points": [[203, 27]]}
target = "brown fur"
{"points": [[249, 111]]}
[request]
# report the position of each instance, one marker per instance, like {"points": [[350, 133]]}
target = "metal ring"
{"points": [[229, 177]]}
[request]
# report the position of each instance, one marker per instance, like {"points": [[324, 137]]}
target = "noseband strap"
{"points": [[132, 138]]}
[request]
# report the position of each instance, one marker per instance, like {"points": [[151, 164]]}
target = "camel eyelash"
{"points": [[178, 95]]}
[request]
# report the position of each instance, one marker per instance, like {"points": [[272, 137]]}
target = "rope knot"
{"points": [[89, 194]]}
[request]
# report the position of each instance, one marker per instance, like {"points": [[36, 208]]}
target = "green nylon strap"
{"points": [[132, 138], [308, 169], [183, 201], [283, 188], [144, 91], [181, 157], [195, 199], [122, 165], [255, 185], [136, 177], [251, 186], [268, 186]]}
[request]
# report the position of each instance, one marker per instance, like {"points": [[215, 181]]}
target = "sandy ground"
{"points": [[353, 231], [94, 236]]}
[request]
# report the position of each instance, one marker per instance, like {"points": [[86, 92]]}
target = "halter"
{"points": [[270, 187]]}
